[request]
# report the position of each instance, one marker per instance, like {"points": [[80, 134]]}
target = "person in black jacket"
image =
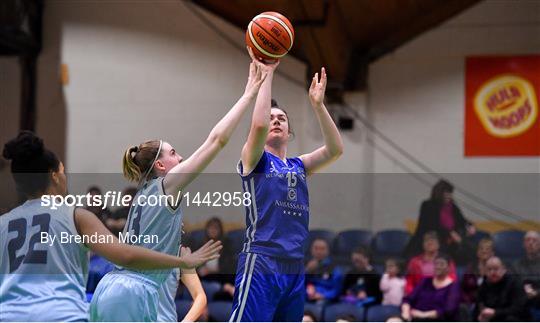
{"points": [[362, 281], [441, 214], [501, 296]]}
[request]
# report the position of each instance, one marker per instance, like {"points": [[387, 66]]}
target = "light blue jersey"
{"points": [[167, 293], [133, 295], [159, 221], [41, 281]]}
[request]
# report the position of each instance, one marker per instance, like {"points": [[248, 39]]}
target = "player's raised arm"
{"points": [[137, 257], [182, 174], [254, 146], [333, 144]]}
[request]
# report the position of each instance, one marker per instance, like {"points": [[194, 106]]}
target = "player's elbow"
{"points": [[126, 258], [219, 139], [334, 152]]}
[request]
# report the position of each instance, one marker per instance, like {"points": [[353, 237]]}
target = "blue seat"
{"points": [[479, 235], [380, 313], [347, 241], [220, 311], [210, 289], [389, 243], [319, 234], [236, 238], [509, 244], [332, 312], [182, 308], [316, 309]]}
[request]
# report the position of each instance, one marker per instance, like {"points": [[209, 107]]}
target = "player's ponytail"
{"points": [[139, 159]]}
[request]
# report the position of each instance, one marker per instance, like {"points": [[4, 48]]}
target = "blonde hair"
{"points": [[138, 160]]}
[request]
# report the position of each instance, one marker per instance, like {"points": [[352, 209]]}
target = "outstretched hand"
{"points": [[255, 79], [209, 251], [317, 88]]}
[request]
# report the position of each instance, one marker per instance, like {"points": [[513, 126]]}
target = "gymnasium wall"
{"points": [[416, 97]]}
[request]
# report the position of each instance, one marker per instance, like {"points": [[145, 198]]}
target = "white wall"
{"points": [[416, 97]]}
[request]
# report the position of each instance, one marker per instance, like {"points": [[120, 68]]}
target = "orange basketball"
{"points": [[270, 35]]}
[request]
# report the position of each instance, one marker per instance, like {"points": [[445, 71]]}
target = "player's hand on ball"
{"points": [[266, 66], [209, 251], [255, 79], [317, 88]]}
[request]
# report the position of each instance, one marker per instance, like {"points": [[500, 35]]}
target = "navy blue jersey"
{"points": [[277, 218]]}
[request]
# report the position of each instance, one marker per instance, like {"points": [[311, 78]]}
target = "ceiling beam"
{"points": [[439, 13]]}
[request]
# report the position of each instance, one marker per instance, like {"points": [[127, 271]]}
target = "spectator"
{"points": [[423, 265], [434, 299], [222, 269], [501, 296], [442, 215], [476, 271], [309, 317], [528, 269], [95, 207], [117, 220], [362, 281], [323, 278], [392, 284]]}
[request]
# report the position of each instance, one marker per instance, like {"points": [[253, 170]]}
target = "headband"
{"points": [[152, 164]]}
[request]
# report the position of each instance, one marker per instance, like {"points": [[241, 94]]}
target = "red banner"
{"points": [[501, 106]]}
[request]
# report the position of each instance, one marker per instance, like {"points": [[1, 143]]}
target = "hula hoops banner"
{"points": [[502, 106]]}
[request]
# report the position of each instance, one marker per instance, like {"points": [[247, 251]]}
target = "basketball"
{"points": [[270, 35]]}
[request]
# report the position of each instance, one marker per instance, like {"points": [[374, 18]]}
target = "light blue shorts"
{"points": [[125, 297]]}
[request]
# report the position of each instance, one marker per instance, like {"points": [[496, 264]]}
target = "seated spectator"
{"points": [[441, 214], [97, 208], [362, 281], [392, 284], [528, 269], [501, 296], [423, 265], [117, 220], [323, 279], [476, 271], [222, 269], [434, 299], [309, 317]]}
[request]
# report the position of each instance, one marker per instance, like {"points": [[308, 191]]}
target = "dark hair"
{"points": [[347, 317], [431, 235], [31, 163], [94, 188], [274, 104], [361, 251], [444, 257], [214, 221], [310, 314], [439, 189]]}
